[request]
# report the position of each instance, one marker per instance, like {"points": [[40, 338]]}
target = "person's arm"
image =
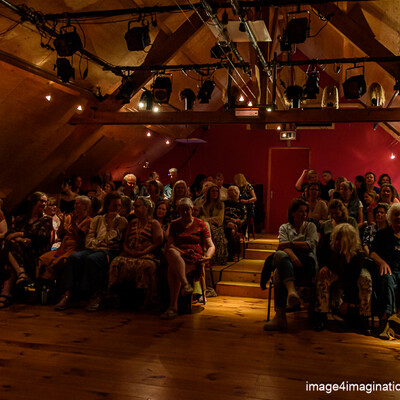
{"points": [[210, 249], [383, 266], [157, 238], [301, 180], [360, 219], [252, 199], [3, 228], [91, 241]]}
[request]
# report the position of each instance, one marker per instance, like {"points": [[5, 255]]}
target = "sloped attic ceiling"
{"points": [[38, 145]]}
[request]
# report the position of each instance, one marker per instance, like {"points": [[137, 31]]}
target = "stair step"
{"points": [[244, 271], [258, 254], [241, 289], [262, 246]]}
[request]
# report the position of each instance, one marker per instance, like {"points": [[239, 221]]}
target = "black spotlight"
{"points": [[137, 38], [355, 86], [311, 89], [242, 27], [205, 91], [224, 19], [68, 42], [294, 95], [146, 100], [188, 96], [64, 69], [297, 30], [219, 51], [162, 88], [125, 91]]}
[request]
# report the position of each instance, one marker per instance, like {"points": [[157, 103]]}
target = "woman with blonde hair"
{"points": [[179, 191], [342, 262]]}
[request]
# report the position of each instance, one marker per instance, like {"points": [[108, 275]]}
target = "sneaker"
{"points": [[63, 304]]}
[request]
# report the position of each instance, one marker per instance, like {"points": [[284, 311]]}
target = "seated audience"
{"points": [[126, 208], [89, 268], [138, 262], [335, 193], [370, 201], [73, 232], [247, 197], [109, 187], [379, 222], [384, 178], [307, 176], [235, 216], [28, 238], [219, 181], [128, 186], [213, 212], [339, 214], [66, 200], [196, 189], [388, 194], [385, 252], [370, 180], [318, 210], [295, 260], [3, 223], [155, 190], [96, 190], [51, 211], [342, 262], [348, 195], [179, 191], [77, 185], [161, 214], [329, 184], [359, 183], [189, 242], [173, 178]]}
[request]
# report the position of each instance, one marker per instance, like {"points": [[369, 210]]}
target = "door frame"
{"points": [[268, 194]]}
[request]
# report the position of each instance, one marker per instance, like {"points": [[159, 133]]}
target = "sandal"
{"points": [[186, 290], [23, 279], [169, 314], [5, 300], [63, 304]]}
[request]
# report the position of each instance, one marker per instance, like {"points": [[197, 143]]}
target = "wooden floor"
{"points": [[220, 353]]}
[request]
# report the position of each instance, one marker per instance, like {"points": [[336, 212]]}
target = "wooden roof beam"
{"points": [[221, 117]]}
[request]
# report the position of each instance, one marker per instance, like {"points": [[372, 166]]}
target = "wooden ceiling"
{"points": [[38, 145]]}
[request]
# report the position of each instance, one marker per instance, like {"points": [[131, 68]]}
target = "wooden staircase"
{"points": [[242, 278]]}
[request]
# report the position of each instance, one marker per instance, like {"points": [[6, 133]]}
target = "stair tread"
{"points": [[236, 283], [262, 250], [247, 267]]}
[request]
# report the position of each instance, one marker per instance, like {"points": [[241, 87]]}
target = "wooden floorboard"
{"points": [[221, 352]]}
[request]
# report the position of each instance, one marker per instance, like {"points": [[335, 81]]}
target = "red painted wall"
{"points": [[348, 150]]}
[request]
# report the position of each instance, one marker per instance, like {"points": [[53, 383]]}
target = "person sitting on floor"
{"points": [[138, 262], [235, 216], [89, 267], [385, 251], [189, 242], [342, 262], [27, 239], [73, 232], [295, 260]]}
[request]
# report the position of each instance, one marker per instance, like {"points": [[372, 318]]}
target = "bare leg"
{"points": [[176, 275]]}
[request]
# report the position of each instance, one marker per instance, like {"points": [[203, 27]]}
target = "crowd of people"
{"points": [[343, 238], [89, 244]]}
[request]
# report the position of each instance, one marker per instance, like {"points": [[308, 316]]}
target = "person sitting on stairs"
{"points": [[295, 260]]}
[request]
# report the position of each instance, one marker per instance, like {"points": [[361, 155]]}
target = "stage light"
{"points": [[79, 108], [224, 18], [278, 127], [188, 96], [294, 95], [269, 107], [205, 91], [241, 99], [250, 104], [219, 51], [311, 89], [48, 98], [392, 157], [137, 38], [167, 142], [146, 100], [376, 95], [64, 69], [68, 42], [162, 88], [355, 86], [297, 29], [242, 27], [156, 109], [148, 134], [125, 91], [330, 97]]}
